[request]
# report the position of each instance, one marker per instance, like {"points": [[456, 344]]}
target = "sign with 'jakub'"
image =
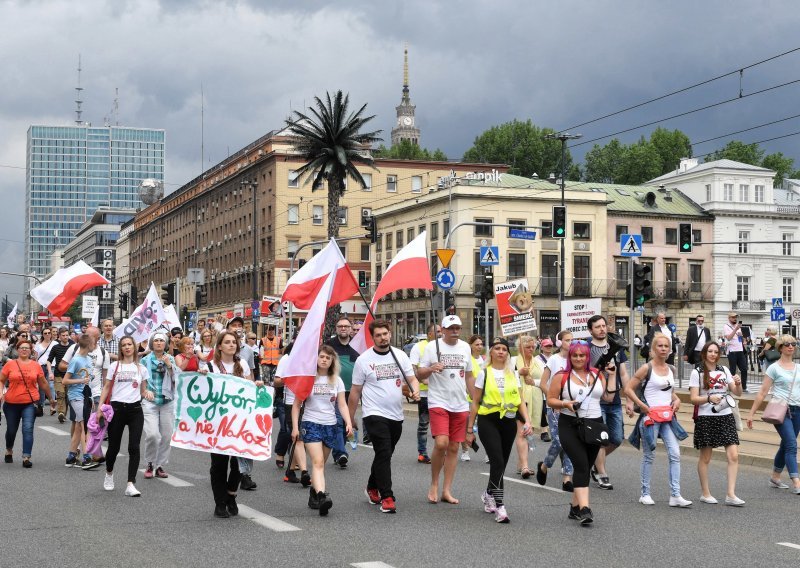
{"points": [[223, 414]]}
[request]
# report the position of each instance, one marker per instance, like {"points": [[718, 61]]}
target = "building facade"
{"points": [[73, 170]]}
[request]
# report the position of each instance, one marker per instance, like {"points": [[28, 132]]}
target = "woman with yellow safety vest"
{"points": [[497, 403], [476, 348]]}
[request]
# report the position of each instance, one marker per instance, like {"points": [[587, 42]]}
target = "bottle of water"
{"points": [[531, 441], [353, 438]]}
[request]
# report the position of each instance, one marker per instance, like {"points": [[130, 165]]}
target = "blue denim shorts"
{"points": [[612, 416], [312, 432]]}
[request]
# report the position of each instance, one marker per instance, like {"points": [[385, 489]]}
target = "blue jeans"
{"points": [[787, 452], [339, 449], [612, 416], [422, 426], [664, 430], [554, 450], [25, 412]]}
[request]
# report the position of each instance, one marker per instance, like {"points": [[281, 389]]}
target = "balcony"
{"points": [[751, 305]]}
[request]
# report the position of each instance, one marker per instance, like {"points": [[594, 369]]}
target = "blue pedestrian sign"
{"points": [[490, 256], [445, 279], [777, 303], [630, 245], [777, 314], [521, 234]]}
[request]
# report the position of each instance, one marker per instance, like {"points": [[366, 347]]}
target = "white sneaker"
{"points": [[487, 460], [500, 515], [646, 500], [679, 502], [465, 456], [488, 503], [734, 501], [710, 500], [131, 491], [108, 482]]}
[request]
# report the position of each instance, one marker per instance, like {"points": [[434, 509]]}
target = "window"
{"points": [[742, 288], [342, 217], [727, 194], [671, 278], [744, 192], [399, 239], [410, 234], [292, 246], [435, 231], [379, 244], [416, 184], [621, 230], [581, 231], [367, 182], [388, 241], [365, 252], [744, 236], [483, 230], [517, 223], [622, 274], [647, 235], [343, 248], [708, 192], [581, 276], [788, 284], [549, 274], [516, 265], [446, 227], [759, 194], [318, 214], [294, 214], [547, 229], [671, 237], [294, 179], [391, 183], [697, 237], [695, 277], [787, 247]]}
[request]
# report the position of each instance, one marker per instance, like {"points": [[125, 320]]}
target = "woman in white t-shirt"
{"points": [[124, 390], [318, 425], [225, 481], [715, 425], [205, 349], [658, 408]]}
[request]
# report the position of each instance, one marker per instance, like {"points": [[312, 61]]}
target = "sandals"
{"points": [[526, 473], [280, 463]]}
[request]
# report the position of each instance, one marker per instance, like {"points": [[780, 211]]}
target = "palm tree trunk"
{"points": [[334, 193]]}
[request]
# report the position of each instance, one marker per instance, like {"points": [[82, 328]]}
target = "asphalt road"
{"points": [[54, 516]]}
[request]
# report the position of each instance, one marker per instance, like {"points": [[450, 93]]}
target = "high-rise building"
{"points": [[73, 170], [406, 127]]}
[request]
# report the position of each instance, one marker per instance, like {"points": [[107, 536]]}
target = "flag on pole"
{"points": [[145, 319], [409, 269], [11, 317], [303, 287], [59, 292]]}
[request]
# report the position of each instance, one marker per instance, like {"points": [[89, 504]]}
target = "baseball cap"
{"points": [[733, 315], [500, 341], [449, 321], [547, 341], [240, 319]]}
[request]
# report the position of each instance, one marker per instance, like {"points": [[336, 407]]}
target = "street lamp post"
{"points": [[563, 136], [254, 187]]}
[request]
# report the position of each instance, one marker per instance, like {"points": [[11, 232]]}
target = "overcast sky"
{"points": [[473, 64]]}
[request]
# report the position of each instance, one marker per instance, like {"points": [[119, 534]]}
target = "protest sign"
{"points": [[223, 414], [515, 307], [576, 313], [144, 320]]}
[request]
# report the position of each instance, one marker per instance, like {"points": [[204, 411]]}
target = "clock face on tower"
{"points": [[408, 121]]}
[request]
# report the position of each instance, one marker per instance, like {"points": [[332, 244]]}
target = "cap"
{"points": [[450, 321], [547, 342], [733, 315], [175, 330], [500, 341], [240, 319]]}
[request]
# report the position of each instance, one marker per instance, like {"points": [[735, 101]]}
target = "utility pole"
{"points": [[563, 136], [254, 277]]}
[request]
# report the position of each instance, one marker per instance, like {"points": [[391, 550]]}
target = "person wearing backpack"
{"points": [[715, 424], [658, 405]]}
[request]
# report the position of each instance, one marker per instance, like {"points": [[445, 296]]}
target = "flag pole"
{"points": [[436, 335]]}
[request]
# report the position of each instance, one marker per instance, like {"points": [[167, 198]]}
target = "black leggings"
{"points": [[125, 414], [581, 455], [497, 436], [223, 483]]}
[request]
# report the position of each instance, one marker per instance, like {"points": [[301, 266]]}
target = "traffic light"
{"points": [[559, 222], [371, 226], [685, 237], [168, 294], [301, 263], [642, 290], [200, 296], [362, 279], [488, 285], [134, 296], [123, 302]]}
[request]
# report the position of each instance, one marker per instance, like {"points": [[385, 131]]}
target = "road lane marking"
{"points": [[265, 520], [371, 565], [522, 481], [789, 544], [119, 454], [172, 480], [54, 430]]}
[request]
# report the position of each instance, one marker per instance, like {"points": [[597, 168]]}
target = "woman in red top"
{"points": [[186, 359], [23, 377]]}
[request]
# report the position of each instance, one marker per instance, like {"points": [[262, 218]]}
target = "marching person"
{"points": [[159, 413], [782, 378], [197, 332], [247, 354], [660, 326], [124, 391], [696, 338], [768, 354], [732, 331], [475, 343], [54, 372], [715, 425], [271, 347], [285, 433], [187, 359], [378, 382], [658, 418], [447, 366], [205, 349], [576, 392], [498, 403], [529, 366], [108, 341], [318, 426], [424, 418], [347, 359], [42, 352]]}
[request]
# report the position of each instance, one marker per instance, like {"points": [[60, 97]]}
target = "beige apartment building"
{"points": [[213, 222], [503, 199]]}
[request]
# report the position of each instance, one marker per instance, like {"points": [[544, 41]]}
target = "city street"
{"points": [[54, 516]]}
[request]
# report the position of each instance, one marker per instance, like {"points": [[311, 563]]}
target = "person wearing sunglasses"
{"points": [[782, 378], [715, 425]]}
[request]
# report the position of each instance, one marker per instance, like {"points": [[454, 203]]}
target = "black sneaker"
{"points": [[232, 506], [221, 511], [305, 479], [574, 513], [604, 483], [586, 517], [247, 484], [546, 437], [342, 461], [313, 499], [72, 460], [568, 487], [366, 441], [91, 464], [325, 503], [291, 477], [541, 476]]}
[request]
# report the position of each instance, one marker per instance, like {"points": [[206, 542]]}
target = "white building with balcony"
{"points": [[754, 224]]}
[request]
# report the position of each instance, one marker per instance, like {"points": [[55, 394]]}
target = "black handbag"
{"points": [[38, 407], [591, 432]]}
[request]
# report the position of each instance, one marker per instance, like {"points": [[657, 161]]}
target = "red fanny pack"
{"points": [[661, 413]]}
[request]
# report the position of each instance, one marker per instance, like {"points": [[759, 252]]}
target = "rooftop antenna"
{"points": [[405, 72], [78, 96], [114, 112]]}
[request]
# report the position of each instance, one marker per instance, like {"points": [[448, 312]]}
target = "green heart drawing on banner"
{"points": [[223, 411], [195, 412], [263, 399]]}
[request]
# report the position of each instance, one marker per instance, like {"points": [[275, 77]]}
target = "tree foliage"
{"points": [[781, 164], [671, 145], [738, 152], [521, 145], [407, 150]]}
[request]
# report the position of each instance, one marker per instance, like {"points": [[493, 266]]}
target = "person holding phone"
{"points": [[737, 359]]}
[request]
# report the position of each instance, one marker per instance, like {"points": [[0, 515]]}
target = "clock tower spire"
{"points": [[405, 128]]}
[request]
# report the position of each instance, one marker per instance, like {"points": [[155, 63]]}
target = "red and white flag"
{"points": [[409, 269], [304, 286], [59, 292]]}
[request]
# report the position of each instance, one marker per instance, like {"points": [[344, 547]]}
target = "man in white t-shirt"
{"points": [[423, 418], [378, 377], [446, 365]]}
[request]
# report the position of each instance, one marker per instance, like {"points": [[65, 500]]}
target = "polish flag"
{"points": [[301, 366], [409, 269], [59, 292], [304, 286]]}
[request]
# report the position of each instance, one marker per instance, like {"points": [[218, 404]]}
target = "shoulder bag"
{"points": [[776, 410], [592, 432], [38, 408]]}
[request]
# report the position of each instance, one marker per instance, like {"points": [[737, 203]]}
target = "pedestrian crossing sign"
{"points": [[490, 256], [777, 302], [630, 245]]}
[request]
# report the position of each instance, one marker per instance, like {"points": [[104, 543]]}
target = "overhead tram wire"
{"points": [[745, 130], [757, 142], [683, 90]]}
